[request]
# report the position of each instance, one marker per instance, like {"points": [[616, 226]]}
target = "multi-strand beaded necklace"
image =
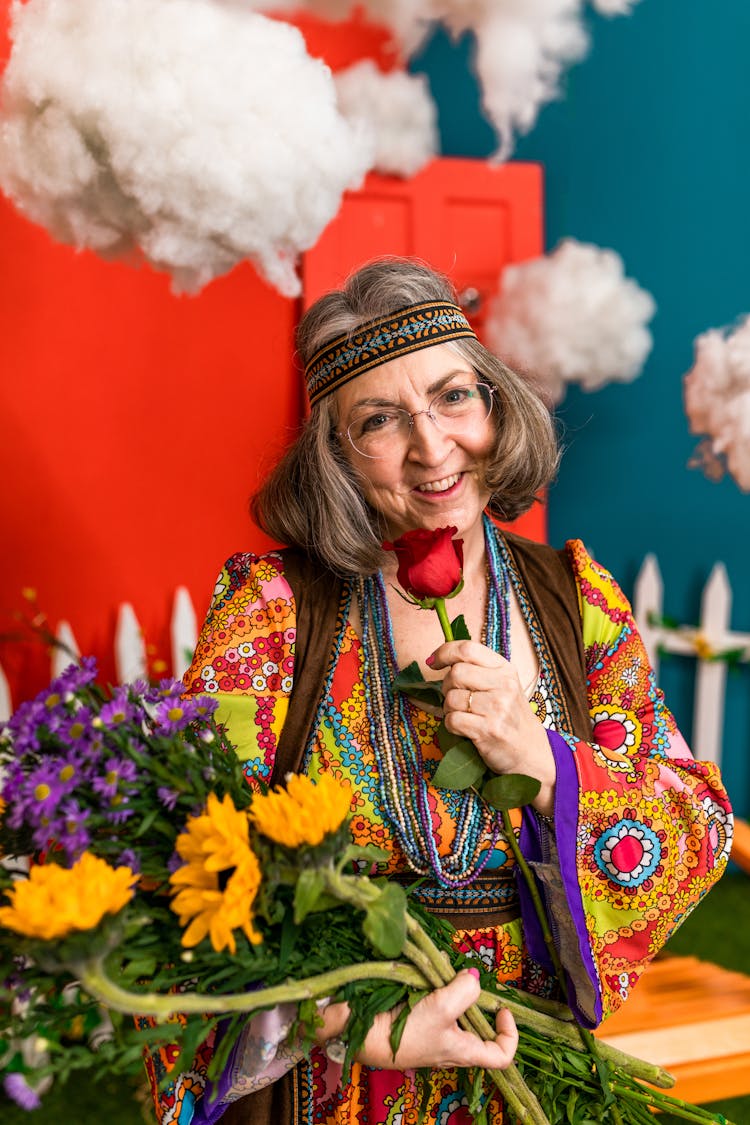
{"points": [[396, 745]]}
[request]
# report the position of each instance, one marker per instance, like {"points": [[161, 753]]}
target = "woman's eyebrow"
{"points": [[432, 389], [438, 385]]}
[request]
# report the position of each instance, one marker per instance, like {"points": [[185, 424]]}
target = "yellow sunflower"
{"points": [[303, 813], [54, 900], [216, 889]]}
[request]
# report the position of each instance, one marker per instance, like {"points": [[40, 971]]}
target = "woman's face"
{"points": [[435, 478]]}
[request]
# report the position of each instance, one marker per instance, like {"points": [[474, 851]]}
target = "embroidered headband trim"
{"points": [[408, 330]]}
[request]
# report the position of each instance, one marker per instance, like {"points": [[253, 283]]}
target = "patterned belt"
{"points": [[489, 901]]}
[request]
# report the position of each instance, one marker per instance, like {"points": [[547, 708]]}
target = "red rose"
{"points": [[429, 562]]}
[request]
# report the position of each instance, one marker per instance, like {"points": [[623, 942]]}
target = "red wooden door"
{"points": [[466, 218]]}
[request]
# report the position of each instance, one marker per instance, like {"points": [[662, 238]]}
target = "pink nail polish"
{"points": [[430, 660], [474, 973]]}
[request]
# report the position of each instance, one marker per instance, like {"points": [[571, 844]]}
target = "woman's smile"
{"points": [[440, 487]]}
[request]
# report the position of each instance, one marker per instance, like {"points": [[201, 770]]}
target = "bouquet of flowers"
{"points": [[143, 876]]}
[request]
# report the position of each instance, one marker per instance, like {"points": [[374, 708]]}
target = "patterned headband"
{"points": [[408, 330]]}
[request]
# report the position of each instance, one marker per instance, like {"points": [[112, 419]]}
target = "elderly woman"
{"points": [[414, 425]]}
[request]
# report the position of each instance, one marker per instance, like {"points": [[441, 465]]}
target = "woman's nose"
{"points": [[427, 442]]}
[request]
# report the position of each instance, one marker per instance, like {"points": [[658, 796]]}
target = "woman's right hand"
{"points": [[431, 1035]]}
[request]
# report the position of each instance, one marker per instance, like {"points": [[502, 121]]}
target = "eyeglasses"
{"points": [[386, 431]]}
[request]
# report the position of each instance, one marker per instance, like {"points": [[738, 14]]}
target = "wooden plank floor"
{"points": [[693, 1019]]}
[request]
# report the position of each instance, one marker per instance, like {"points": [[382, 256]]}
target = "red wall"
{"points": [[133, 424]]}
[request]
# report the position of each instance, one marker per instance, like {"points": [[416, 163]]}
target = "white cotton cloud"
{"points": [[717, 402], [522, 51], [191, 133], [571, 317], [614, 7], [399, 111], [523, 46]]}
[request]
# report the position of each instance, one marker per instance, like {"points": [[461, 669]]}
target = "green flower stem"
{"points": [[436, 966], [567, 1033], [442, 613], [94, 979], [671, 1105]]}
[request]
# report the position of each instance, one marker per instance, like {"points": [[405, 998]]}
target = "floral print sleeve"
{"points": [[245, 657], [641, 830]]}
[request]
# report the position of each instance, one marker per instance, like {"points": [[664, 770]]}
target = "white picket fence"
{"points": [[711, 637], [129, 646], [707, 641]]}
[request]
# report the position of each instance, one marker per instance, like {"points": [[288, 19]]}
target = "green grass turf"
{"points": [[717, 931]]}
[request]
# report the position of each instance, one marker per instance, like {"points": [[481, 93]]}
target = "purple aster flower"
{"points": [[128, 858], [168, 797], [76, 730], [12, 784], [69, 773], [19, 1091], [174, 714], [171, 688], [174, 863], [118, 710], [39, 795], [70, 831], [205, 706], [76, 676], [119, 814], [23, 727], [117, 770]]}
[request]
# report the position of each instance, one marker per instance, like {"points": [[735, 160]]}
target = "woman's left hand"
{"points": [[484, 702]]}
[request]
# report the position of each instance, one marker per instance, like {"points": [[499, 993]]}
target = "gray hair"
{"points": [[313, 498]]}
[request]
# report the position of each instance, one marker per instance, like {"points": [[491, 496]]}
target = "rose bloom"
{"points": [[429, 562]]}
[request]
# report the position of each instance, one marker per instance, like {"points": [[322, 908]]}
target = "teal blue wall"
{"points": [[648, 153]]}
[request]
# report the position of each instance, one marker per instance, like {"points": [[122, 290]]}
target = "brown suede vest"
{"points": [[552, 607]]}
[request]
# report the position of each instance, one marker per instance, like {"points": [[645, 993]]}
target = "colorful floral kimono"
{"points": [[641, 832]]}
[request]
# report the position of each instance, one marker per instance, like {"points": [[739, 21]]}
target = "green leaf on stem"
{"points": [[460, 768], [510, 790], [476, 1093], [310, 885], [385, 921], [141, 968], [397, 1027], [409, 681], [288, 938], [446, 740], [460, 629], [194, 1032], [570, 1108]]}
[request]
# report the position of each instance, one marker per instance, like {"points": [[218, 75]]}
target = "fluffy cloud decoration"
{"points": [[614, 7], [717, 401], [398, 108], [571, 316], [523, 46], [191, 133]]}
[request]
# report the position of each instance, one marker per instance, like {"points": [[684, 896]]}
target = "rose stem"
{"points": [[444, 620]]}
